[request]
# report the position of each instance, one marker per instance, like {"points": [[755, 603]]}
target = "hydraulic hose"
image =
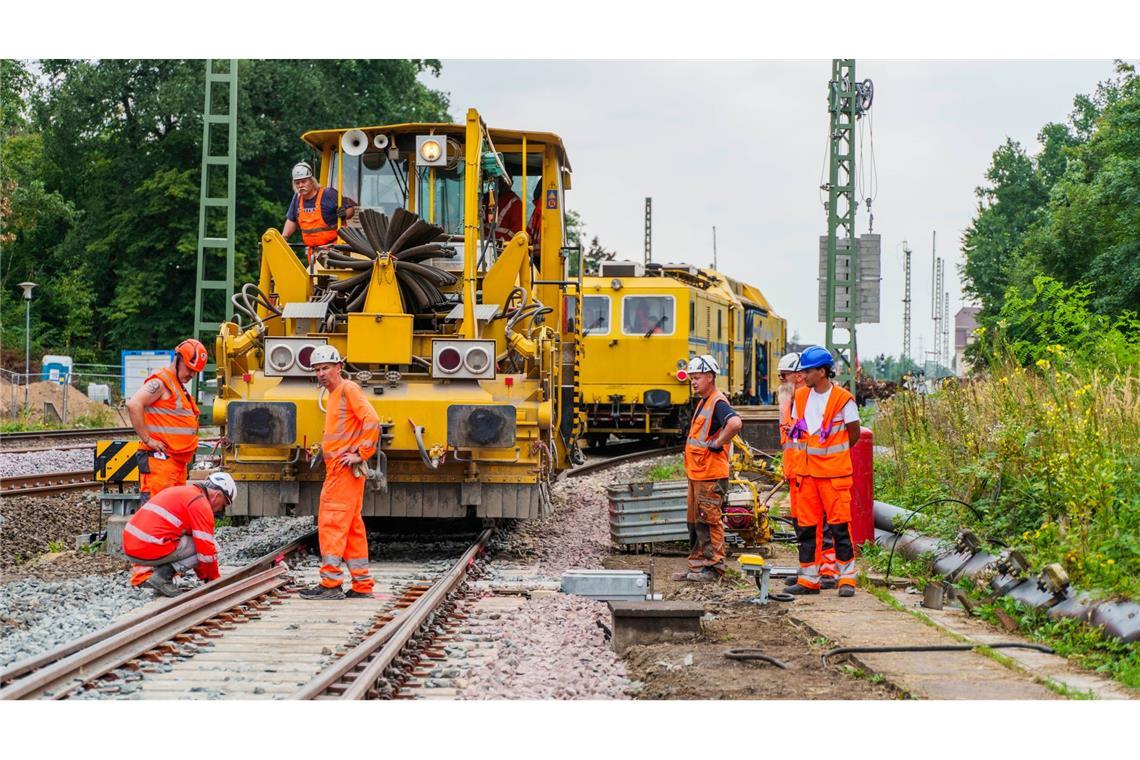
{"points": [[936, 648]]}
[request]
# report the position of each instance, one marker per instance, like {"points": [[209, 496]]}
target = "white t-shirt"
{"points": [[817, 403]]}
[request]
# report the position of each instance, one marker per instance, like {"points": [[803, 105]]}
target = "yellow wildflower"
{"points": [[1043, 363]]}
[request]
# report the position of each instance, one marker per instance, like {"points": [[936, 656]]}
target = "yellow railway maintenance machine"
{"points": [[457, 339], [640, 326]]}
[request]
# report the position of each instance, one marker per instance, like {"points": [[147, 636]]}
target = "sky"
{"points": [[741, 145]]}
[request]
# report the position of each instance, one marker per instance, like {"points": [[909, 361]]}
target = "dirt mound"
{"points": [[78, 405]]}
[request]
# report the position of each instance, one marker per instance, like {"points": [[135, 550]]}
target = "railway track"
{"points": [[625, 458], [48, 483], [248, 636], [56, 435]]}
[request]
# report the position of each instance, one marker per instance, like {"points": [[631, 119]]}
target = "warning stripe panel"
{"points": [[116, 461]]}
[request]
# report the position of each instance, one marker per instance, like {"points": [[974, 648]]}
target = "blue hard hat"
{"points": [[815, 356]]}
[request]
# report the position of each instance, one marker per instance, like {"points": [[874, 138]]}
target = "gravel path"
{"points": [[41, 462]]}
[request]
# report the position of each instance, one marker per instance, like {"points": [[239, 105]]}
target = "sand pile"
{"points": [[78, 405]]}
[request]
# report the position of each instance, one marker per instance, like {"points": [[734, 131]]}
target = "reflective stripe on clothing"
{"points": [[179, 516], [141, 535], [700, 463], [847, 573], [826, 451], [809, 575], [341, 530], [172, 420], [151, 506], [351, 425], [314, 229]]}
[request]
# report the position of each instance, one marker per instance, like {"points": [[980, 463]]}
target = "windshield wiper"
{"points": [[597, 323], [660, 323]]}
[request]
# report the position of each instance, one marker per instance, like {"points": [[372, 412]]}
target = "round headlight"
{"points": [[477, 360], [304, 356], [449, 360], [430, 150], [281, 357]]}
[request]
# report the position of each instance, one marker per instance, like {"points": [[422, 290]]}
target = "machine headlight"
{"points": [[449, 360], [281, 357], [476, 360], [304, 355], [431, 150]]}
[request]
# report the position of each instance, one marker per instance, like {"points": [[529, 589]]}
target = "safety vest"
{"points": [[700, 463], [351, 424], [826, 453], [155, 530], [314, 230], [793, 455], [508, 220], [172, 420]]}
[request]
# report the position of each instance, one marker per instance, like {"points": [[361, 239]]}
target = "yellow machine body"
{"points": [[439, 457], [639, 332]]}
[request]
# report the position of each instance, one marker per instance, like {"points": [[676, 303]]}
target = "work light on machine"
{"points": [[476, 360], [431, 150], [281, 357]]}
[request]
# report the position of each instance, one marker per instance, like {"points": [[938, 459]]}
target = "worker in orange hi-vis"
{"points": [[165, 418], [791, 380], [352, 432], [825, 426]]}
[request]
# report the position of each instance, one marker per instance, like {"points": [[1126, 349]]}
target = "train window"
{"points": [[383, 183], [692, 317], [719, 324], [448, 201], [648, 315], [595, 315]]}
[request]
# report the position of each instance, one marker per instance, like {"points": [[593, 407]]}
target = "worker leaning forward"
{"points": [[314, 210], [825, 425], [352, 432], [174, 533], [165, 418], [713, 427]]}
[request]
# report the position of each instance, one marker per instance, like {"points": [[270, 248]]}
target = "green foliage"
{"points": [[884, 367], [58, 545], [92, 548], [667, 471], [101, 182]]}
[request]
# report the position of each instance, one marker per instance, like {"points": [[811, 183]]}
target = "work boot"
{"points": [[162, 581], [801, 590], [791, 580], [828, 582], [683, 575], [846, 590], [704, 576], [354, 594], [322, 592]]}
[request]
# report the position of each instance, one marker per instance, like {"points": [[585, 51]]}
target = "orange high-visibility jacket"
{"points": [[314, 230], [700, 463], [155, 530], [826, 453], [172, 420], [793, 455], [351, 424]]}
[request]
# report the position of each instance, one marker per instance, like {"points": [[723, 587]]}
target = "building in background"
{"points": [[965, 322]]}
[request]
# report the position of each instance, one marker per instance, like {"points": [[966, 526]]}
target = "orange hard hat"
{"points": [[193, 353]]}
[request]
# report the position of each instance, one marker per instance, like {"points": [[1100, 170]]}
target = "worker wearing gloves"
{"points": [[711, 431], [352, 432], [314, 210], [174, 533], [165, 418], [825, 426]]}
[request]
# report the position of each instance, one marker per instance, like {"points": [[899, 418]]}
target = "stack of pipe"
{"points": [[409, 240]]}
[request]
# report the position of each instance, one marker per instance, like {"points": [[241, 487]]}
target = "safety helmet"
{"points": [[302, 171], [816, 356], [193, 353], [789, 363], [325, 355], [221, 481], [704, 363]]}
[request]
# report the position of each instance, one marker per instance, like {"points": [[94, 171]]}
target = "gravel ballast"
{"points": [[43, 462]]}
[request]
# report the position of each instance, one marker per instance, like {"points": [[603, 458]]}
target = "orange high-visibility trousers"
{"points": [[825, 501], [341, 529], [706, 529], [165, 473]]}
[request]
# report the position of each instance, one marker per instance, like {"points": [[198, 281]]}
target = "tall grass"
{"points": [[1049, 455]]}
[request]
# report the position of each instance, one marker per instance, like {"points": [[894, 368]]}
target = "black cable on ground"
{"points": [[936, 648], [912, 515], [749, 654]]}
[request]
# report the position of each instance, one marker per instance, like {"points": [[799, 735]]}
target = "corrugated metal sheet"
{"points": [[646, 513]]}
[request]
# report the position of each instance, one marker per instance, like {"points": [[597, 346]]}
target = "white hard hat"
{"points": [[222, 481], [704, 363], [302, 171], [789, 363], [325, 355]]}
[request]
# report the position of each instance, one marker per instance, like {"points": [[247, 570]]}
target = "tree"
{"points": [[594, 254]]}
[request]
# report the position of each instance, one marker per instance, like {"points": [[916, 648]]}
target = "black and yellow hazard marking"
{"points": [[116, 461]]}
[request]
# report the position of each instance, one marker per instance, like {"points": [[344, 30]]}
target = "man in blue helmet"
{"points": [[825, 425]]}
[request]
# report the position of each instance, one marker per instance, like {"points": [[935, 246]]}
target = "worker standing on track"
{"points": [[174, 533], [314, 210], [352, 432], [825, 426], [165, 418], [713, 427]]}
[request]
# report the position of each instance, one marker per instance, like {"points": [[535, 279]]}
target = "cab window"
{"points": [[446, 208], [595, 315], [373, 180], [647, 315]]}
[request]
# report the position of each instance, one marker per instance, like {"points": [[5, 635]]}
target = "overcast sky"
{"points": [[740, 145]]}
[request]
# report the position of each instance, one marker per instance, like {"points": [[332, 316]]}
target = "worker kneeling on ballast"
{"points": [[713, 427], [174, 533], [825, 425]]}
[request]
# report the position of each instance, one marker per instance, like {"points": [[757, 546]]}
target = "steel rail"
{"points": [[623, 459], [66, 433], [62, 651], [48, 482], [387, 643], [71, 447], [148, 632]]}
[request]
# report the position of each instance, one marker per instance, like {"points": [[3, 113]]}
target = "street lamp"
{"points": [[28, 287]]}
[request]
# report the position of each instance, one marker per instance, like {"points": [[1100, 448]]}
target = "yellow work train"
{"points": [[458, 338], [640, 326]]}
